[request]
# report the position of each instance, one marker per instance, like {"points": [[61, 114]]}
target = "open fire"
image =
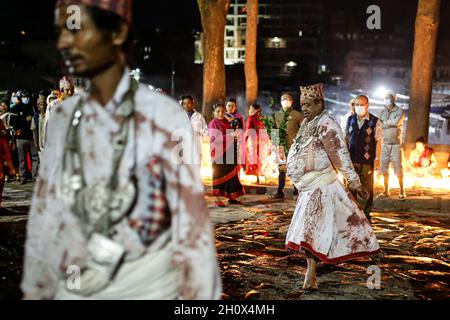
{"points": [[270, 175], [410, 181]]}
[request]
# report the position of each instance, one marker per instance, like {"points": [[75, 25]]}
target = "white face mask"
{"points": [[25, 100], [360, 110], [387, 102], [286, 104]]}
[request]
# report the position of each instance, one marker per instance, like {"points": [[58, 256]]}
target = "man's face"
{"points": [[3, 107], [86, 51], [41, 101], [311, 108], [361, 106], [389, 100], [188, 105], [26, 99], [231, 107], [66, 92]]}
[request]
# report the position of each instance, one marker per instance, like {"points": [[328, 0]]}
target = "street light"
{"points": [[291, 64]]}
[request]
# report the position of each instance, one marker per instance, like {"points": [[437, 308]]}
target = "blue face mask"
{"points": [[387, 102], [26, 100]]}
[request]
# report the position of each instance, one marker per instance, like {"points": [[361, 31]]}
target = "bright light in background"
{"points": [[136, 74], [380, 92], [291, 64]]}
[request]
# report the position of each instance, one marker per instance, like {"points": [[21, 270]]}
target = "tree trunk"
{"points": [[213, 15], [427, 23], [251, 73]]}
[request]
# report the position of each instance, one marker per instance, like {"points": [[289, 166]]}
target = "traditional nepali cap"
{"points": [[120, 7], [314, 92], [66, 82]]}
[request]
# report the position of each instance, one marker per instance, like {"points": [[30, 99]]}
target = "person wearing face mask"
{"points": [[288, 122], [392, 118], [21, 122], [15, 100], [25, 95], [363, 133]]}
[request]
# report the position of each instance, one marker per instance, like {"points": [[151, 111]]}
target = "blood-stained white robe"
{"points": [[327, 221], [55, 241]]}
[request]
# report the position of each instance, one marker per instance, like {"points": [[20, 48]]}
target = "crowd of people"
{"points": [[374, 143], [23, 122]]}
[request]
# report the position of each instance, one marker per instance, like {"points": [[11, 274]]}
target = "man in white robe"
{"points": [[115, 215], [327, 224]]}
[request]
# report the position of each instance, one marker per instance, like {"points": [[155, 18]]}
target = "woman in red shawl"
{"points": [[225, 180], [5, 158], [256, 142]]}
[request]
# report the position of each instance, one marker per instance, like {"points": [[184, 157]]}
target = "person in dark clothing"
{"points": [[38, 120], [363, 133], [21, 122]]}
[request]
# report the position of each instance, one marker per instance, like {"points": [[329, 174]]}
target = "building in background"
{"points": [[291, 41]]}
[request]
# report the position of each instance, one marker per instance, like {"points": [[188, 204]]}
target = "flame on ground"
{"points": [[269, 175], [412, 181]]}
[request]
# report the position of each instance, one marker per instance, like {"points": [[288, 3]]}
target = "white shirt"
{"points": [[199, 124], [55, 239]]}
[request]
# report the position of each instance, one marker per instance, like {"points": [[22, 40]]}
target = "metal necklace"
{"points": [[103, 204]]}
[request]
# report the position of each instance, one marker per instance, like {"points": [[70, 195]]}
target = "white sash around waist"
{"points": [[317, 179], [151, 277]]}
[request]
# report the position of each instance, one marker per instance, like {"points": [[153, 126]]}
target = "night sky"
{"points": [[183, 15], [168, 26]]}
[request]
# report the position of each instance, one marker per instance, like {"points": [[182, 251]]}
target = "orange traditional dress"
{"points": [[257, 145]]}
